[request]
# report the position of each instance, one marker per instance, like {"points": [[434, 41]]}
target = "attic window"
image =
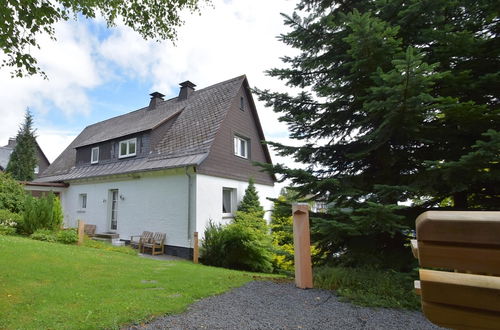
{"points": [[242, 103], [94, 155], [128, 148], [241, 147]]}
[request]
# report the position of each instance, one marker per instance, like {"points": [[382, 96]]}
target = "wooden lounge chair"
{"points": [[136, 241], [156, 244]]}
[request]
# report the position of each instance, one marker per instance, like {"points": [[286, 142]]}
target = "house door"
{"points": [[113, 212]]}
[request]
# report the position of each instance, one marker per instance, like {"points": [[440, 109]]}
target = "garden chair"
{"points": [[156, 244], [462, 290], [89, 230], [136, 241]]}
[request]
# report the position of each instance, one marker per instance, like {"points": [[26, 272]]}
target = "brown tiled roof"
{"points": [[187, 142]]}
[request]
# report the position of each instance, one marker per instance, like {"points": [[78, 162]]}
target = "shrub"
{"points": [[9, 219], [12, 194], [369, 287], [67, 236], [7, 230], [236, 246], [46, 235], [42, 213], [108, 247]]}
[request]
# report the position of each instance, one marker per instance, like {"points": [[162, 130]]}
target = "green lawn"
{"points": [[50, 285]]}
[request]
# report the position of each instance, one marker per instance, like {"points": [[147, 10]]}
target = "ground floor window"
{"points": [[82, 201], [228, 201]]}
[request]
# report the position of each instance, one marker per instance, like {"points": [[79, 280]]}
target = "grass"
{"points": [[51, 285], [369, 287]]}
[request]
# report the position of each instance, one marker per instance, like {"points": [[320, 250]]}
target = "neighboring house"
{"points": [[169, 167], [6, 151]]}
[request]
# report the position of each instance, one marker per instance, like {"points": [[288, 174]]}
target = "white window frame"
{"points": [[238, 151], [36, 170], [82, 202], [92, 160], [232, 201], [128, 154]]}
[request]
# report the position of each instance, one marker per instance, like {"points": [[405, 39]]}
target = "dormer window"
{"points": [[240, 147], [128, 148], [94, 155]]}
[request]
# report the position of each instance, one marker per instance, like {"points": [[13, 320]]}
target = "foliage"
{"points": [[397, 102], [369, 287], [282, 234], [23, 158], [12, 194], [46, 235], [98, 289], [108, 247], [25, 22], [250, 202], [67, 236], [9, 219], [252, 220], [41, 213], [236, 246], [7, 230]]}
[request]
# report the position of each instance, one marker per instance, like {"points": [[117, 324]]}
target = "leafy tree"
{"points": [[24, 21], [398, 103], [12, 194], [23, 158]]}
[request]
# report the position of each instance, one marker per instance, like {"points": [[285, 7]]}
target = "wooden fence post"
{"points": [[195, 247], [81, 227], [302, 246]]}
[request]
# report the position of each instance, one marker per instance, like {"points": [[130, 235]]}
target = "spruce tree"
{"points": [[250, 202], [398, 104], [23, 158]]}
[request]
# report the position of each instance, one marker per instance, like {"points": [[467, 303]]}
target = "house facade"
{"points": [[6, 151], [170, 167]]}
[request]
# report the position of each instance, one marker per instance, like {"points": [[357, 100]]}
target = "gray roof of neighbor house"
{"points": [[186, 142], [4, 157]]}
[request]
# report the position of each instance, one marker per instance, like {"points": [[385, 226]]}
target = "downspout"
{"points": [[190, 176]]}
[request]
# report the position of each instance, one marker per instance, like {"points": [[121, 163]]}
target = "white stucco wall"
{"points": [[209, 198], [151, 201]]}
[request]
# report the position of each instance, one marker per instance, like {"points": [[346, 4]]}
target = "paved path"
{"points": [[271, 305]]}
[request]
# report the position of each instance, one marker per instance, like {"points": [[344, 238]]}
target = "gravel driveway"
{"points": [[271, 305]]}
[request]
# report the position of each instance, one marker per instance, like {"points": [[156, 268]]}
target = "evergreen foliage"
{"points": [[398, 103], [250, 202], [42, 213], [12, 194], [23, 158]]}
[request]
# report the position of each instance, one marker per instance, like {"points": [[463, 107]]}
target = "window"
{"points": [[240, 147], [37, 169], [127, 148], [228, 196], [82, 201], [242, 103], [94, 155]]}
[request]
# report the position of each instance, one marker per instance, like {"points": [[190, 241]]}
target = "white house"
{"points": [[169, 167]]}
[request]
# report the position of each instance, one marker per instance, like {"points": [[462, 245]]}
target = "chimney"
{"points": [[12, 143], [187, 88], [156, 97]]}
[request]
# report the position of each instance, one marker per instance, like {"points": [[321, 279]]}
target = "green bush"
{"points": [[42, 213], [46, 235], [7, 230], [369, 287], [10, 219], [67, 236], [12, 194], [236, 246]]}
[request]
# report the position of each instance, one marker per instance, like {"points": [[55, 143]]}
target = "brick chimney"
{"points": [[156, 97], [187, 88]]}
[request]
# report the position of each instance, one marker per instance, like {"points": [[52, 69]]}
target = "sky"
{"points": [[96, 73]]}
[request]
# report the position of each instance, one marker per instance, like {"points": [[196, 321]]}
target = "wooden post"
{"points": [[81, 227], [302, 246], [195, 247]]}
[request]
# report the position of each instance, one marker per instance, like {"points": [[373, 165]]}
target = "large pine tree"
{"points": [[23, 159], [400, 103]]}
